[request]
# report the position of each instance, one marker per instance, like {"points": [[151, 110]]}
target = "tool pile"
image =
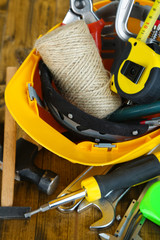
{"points": [[133, 59]]}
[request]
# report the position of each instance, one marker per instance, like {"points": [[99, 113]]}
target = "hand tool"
{"points": [[76, 185], [84, 10], [26, 170], [122, 15], [109, 11], [155, 32], [152, 122], [125, 175], [80, 10], [132, 112], [31, 118], [113, 45], [136, 76], [127, 227], [126, 9], [149, 22], [107, 207], [149, 205]]}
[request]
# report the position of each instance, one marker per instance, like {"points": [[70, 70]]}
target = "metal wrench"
{"points": [[80, 10], [127, 218], [107, 206]]}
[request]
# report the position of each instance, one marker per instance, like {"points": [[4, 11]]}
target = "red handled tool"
{"points": [[84, 10]]}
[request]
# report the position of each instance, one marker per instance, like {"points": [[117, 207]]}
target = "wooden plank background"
{"points": [[21, 22]]}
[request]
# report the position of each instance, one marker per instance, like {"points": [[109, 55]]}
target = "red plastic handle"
{"points": [[95, 30]]}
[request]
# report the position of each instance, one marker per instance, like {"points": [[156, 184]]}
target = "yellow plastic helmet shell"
{"points": [[41, 126]]}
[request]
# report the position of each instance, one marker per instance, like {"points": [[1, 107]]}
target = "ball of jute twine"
{"points": [[72, 56]]}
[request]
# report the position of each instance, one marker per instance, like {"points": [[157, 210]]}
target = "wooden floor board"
{"points": [[3, 4], [21, 23]]}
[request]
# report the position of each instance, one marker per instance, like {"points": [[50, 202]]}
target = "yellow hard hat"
{"points": [[24, 100]]}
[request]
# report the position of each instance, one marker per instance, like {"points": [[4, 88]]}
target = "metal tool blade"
{"points": [[107, 207], [76, 184], [128, 216], [122, 15], [135, 235]]}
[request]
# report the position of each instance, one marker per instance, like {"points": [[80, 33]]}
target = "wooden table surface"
{"points": [[21, 22]]}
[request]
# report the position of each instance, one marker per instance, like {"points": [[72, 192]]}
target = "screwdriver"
{"points": [[123, 176]]}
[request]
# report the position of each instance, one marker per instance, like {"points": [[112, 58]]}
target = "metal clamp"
{"points": [[123, 13]]}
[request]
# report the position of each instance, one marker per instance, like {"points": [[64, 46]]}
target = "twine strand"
{"points": [[72, 56]]}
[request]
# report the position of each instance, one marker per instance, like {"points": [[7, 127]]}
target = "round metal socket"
{"points": [[48, 182]]}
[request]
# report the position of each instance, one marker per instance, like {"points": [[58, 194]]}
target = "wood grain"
{"points": [[21, 22], [2, 103], [9, 152]]}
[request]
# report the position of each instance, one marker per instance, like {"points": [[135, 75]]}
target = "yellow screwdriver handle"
{"points": [[149, 22]]}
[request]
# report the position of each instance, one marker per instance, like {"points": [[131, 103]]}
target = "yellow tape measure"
{"points": [[136, 75], [149, 22]]}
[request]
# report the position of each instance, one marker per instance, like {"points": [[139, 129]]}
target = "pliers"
{"points": [[80, 9], [83, 9]]}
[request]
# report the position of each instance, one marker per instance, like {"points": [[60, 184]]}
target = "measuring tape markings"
{"points": [[149, 22]]}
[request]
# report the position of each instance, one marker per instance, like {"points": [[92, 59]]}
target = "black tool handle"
{"points": [[130, 173]]}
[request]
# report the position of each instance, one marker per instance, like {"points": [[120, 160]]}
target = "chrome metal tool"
{"points": [[76, 184], [108, 12], [123, 176], [80, 10], [124, 11], [122, 16], [57, 202], [128, 220], [107, 206]]}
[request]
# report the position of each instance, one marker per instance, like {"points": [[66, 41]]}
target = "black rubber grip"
{"points": [[130, 173]]}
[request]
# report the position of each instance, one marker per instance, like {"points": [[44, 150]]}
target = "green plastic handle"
{"points": [[150, 204], [135, 111]]}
